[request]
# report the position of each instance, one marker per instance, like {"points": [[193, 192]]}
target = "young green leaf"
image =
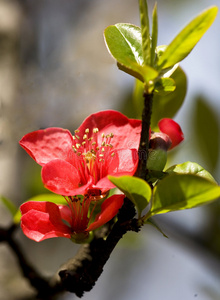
{"points": [[136, 189], [154, 35], [57, 199], [164, 86], [143, 73], [9, 205], [186, 40], [182, 191], [145, 32], [166, 106], [124, 43], [190, 168]]}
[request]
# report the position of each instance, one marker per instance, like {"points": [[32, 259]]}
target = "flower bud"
{"points": [[159, 144], [173, 130]]}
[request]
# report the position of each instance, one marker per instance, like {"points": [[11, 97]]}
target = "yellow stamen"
{"points": [[78, 145], [95, 130]]}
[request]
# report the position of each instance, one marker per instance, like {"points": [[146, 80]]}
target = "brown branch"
{"points": [[37, 281], [144, 140], [80, 274]]}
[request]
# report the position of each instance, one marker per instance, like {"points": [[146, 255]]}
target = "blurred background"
{"points": [[54, 71]]}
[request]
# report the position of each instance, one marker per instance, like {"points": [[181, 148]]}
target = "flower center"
{"points": [[93, 152], [80, 213]]}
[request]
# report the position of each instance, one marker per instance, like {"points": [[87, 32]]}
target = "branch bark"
{"points": [[144, 140], [80, 274]]}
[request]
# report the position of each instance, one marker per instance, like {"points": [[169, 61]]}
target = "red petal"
{"points": [[42, 220], [65, 213], [126, 131], [173, 130], [109, 209], [63, 178], [46, 145], [124, 162], [104, 185]]}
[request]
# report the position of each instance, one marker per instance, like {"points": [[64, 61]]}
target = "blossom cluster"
{"points": [[77, 167]]}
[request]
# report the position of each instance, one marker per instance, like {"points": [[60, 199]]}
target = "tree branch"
{"points": [[80, 274], [144, 140], [36, 280]]}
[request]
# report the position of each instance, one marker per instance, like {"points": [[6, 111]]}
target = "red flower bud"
{"points": [[173, 130]]}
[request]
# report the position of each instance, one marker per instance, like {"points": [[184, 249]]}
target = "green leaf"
{"points": [[137, 99], [164, 106], [206, 133], [143, 73], [186, 40], [154, 175], [57, 199], [164, 86], [157, 159], [124, 43], [145, 32], [167, 106], [9, 205], [136, 189], [190, 168], [154, 34], [182, 191]]}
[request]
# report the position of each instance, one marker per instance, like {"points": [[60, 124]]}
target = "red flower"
{"points": [[173, 130], [105, 144], [44, 220]]}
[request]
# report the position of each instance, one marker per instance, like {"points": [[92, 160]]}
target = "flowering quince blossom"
{"points": [[105, 144], [44, 220]]}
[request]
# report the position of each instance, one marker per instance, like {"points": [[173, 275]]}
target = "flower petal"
{"points": [[173, 130], [65, 213], [63, 178], [124, 162], [126, 131], [109, 209], [48, 144], [42, 220]]}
